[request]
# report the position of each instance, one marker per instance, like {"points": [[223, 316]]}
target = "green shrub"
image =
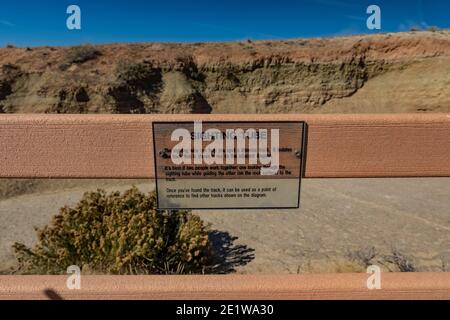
{"points": [[81, 54], [118, 234]]}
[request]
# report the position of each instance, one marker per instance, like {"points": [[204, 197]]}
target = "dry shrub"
{"points": [[363, 256], [138, 75], [433, 29], [81, 54], [331, 265], [401, 262], [359, 260], [118, 234]]}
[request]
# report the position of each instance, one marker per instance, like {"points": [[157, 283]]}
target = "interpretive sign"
{"points": [[228, 165]]}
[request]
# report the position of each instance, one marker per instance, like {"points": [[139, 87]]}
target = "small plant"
{"points": [[186, 64], [400, 261], [444, 267], [81, 54], [119, 234], [140, 75], [433, 29], [363, 256], [331, 265], [10, 46]]}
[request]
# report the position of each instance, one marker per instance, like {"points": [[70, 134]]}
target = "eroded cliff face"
{"points": [[404, 72]]}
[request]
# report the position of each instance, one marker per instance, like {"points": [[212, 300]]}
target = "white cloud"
{"points": [[6, 23], [411, 24]]}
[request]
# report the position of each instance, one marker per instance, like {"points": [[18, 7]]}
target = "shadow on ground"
{"points": [[227, 254], [52, 294]]}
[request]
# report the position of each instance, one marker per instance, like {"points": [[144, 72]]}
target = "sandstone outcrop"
{"points": [[397, 72]]}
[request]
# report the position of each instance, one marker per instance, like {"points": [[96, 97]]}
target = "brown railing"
{"points": [[120, 146]]}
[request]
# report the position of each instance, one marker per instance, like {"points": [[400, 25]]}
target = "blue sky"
{"points": [[43, 22]]}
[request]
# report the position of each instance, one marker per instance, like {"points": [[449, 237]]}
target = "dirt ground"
{"points": [[337, 217]]}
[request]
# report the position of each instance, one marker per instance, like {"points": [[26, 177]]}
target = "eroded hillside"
{"points": [[402, 72]]}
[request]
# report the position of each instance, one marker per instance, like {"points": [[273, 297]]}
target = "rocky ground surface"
{"points": [[396, 72]]}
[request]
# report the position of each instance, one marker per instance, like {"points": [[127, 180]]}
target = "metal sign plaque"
{"points": [[228, 165]]}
